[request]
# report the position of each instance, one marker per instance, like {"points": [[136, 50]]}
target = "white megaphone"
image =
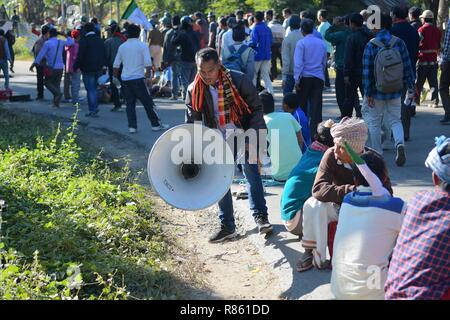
{"points": [[191, 167]]}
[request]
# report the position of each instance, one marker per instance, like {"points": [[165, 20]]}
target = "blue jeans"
{"points": [[176, 78], [90, 84], [289, 84], [188, 71], [4, 68], [75, 79], [256, 198]]}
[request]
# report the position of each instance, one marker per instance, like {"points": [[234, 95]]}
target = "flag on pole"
{"points": [[135, 15]]}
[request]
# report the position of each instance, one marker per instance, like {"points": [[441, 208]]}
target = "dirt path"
{"points": [[231, 270]]}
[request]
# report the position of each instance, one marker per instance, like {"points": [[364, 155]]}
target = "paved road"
{"points": [[281, 250]]}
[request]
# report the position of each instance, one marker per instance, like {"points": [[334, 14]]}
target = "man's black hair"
{"points": [[89, 27], [44, 29], [375, 163], [239, 12], [400, 12], [267, 101], [306, 14], [291, 100], [259, 16], [323, 13], [53, 33], [357, 19], [415, 12], [239, 33], [294, 22], [133, 31], [206, 54], [176, 20], [223, 21], [287, 11], [198, 15], [307, 26], [269, 13], [324, 135], [386, 21]]}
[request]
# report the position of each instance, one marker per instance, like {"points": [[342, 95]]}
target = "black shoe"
{"points": [[40, 99], [92, 114], [116, 109], [263, 224], [222, 235], [400, 159], [445, 120]]}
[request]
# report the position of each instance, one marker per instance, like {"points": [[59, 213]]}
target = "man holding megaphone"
{"points": [[226, 100]]}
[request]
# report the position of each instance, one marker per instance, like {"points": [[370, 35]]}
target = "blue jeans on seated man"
{"points": [[90, 84], [256, 198], [288, 84]]}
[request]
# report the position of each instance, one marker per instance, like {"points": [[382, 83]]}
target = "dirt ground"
{"points": [[231, 270]]}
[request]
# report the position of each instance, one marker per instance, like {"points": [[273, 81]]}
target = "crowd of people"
{"points": [[333, 171]]}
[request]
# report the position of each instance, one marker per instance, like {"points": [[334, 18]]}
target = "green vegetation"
{"points": [[21, 51], [75, 225]]}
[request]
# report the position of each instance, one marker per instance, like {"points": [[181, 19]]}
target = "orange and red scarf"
{"points": [[231, 105]]}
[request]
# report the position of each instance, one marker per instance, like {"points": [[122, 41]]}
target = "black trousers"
{"points": [[444, 84], [406, 115], [428, 72], [115, 94], [276, 54], [352, 98], [40, 81], [339, 85], [327, 74], [310, 92]]}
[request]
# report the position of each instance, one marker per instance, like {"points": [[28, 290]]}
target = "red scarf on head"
{"points": [[232, 108]]}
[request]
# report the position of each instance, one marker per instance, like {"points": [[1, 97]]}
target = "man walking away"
{"points": [[239, 56], [444, 82], [287, 53], [277, 36], [112, 46], [383, 89], [337, 35], [429, 47], [213, 28], [135, 58], [90, 60], [262, 43], [403, 30], [171, 57], [310, 59], [322, 16], [414, 17], [52, 51], [37, 47], [5, 56], [354, 50]]}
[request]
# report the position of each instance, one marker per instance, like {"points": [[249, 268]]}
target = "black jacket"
{"points": [[171, 53], [248, 92], [354, 51], [189, 43], [91, 54], [410, 36]]}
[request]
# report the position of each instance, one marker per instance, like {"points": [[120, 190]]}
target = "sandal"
{"points": [[323, 265], [305, 262]]}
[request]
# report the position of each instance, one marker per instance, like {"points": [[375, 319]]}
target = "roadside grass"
{"points": [[75, 225], [21, 51]]}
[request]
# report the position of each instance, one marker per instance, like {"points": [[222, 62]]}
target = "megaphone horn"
{"points": [[180, 173]]}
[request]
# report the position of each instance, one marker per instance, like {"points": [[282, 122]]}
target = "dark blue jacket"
{"points": [[410, 36]]}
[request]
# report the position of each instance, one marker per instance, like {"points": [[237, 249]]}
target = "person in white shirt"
{"points": [[227, 37], [370, 220], [136, 77], [323, 27]]}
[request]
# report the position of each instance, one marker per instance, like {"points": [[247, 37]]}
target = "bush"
{"points": [[21, 51], [74, 227]]}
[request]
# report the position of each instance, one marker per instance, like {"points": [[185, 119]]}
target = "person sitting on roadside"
{"points": [[370, 220], [334, 180], [284, 137], [419, 267], [291, 105], [299, 185]]}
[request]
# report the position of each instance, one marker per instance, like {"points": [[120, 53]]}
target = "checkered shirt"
{"points": [[420, 265], [446, 50], [369, 64]]}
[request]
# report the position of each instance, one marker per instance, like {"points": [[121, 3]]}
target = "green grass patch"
{"points": [[76, 226]]}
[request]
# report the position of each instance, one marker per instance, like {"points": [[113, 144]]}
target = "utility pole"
{"points": [[110, 9], [63, 10]]}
